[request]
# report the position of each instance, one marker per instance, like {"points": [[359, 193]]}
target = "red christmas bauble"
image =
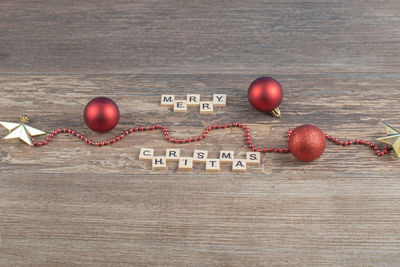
{"points": [[265, 94], [307, 142], [101, 114]]}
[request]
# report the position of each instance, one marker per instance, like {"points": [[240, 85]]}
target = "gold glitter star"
{"points": [[392, 138], [21, 130]]}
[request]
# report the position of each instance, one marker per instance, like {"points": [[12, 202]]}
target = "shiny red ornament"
{"points": [[307, 142], [101, 114], [265, 94]]}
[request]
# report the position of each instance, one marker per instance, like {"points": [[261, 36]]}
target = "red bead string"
{"points": [[202, 136], [166, 134]]}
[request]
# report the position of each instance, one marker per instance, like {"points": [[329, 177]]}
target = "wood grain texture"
{"points": [[71, 204]]}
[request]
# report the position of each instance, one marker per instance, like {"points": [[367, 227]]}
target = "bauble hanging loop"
{"points": [[265, 94]]}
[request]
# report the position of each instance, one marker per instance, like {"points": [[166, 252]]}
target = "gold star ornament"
{"points": [[392, 138], [21, 130]]}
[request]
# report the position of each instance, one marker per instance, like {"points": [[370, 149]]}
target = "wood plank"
{"points": [[351, 195], [258, 37], [168, 220]]}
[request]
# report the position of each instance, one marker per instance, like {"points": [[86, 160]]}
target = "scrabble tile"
{"points": [[226, 156], [219, 100], [206, 107], [167, 100], [185, 163], [159, 162], [146, 153], [212, 165], [172, 154], [180, 106], [193, 100], [200, 156], [239, 165], [253, 158]]}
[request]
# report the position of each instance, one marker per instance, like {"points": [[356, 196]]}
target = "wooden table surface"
{"points": [[71, 204]]}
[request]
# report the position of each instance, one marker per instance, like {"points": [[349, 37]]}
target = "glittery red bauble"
{"points": [[101, 114], [307, 142], [265, 94]]}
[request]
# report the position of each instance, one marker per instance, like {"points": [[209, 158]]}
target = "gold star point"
{"points": [[392, 138], [21, 130]]}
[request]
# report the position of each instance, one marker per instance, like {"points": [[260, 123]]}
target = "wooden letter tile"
{"points": [[219, 100], [146, 153], [193, 100], [253, 158], [200, 156], [206, 107], [239, 165], [180, 106], [185, 163], [226, 156], [172, 154], [159, 163], [167, 100], [212, 165]]}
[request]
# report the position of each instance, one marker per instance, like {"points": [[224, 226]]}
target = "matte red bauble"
{"points": [[307, 142], [101, 114], [265, 94]]}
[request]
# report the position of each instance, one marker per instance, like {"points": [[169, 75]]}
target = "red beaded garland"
{"points": [[248, 140]]}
